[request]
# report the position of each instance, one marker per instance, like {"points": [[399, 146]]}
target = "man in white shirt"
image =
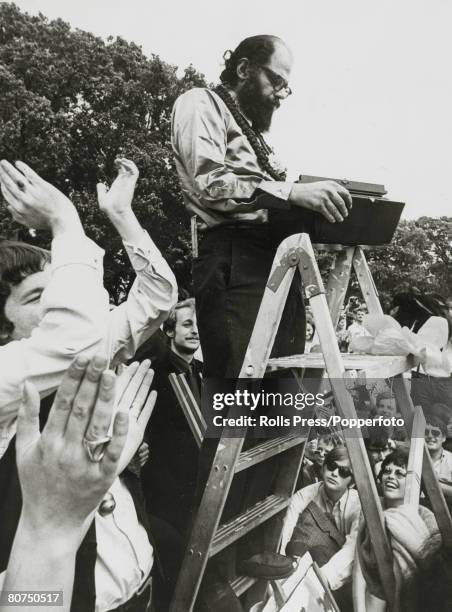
{"points": [[357, 329], [43, 335], [336, 501], [61, 308], [435, 436]]}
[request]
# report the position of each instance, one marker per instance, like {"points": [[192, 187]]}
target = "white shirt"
{"points": [[124, 554], [75, 307], [356, 330], [443, 467], [77, 318], [346, 512]]}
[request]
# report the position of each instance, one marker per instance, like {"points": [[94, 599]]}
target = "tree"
{"points": [[420, 255], [70, 103]]}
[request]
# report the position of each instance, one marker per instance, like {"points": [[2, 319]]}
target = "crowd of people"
{"points": [[100, 474], [350, 325]]}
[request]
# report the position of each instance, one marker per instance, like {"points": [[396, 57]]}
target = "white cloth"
{"points": [[124, 554], [356, 330], [345, 512], [77, 318]]}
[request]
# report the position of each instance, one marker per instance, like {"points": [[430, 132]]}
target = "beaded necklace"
{"points": [[255, 138]]}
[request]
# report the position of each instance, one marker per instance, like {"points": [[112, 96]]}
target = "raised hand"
{"points": [[140, 458], [118, 199], [34, 202], [61, 483], [134, 397], [328, 198]]}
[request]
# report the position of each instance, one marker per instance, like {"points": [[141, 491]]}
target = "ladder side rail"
{"points": [[366, 282], [228, 450], [186, 409], [338, 281], [414, 468], [336, 289], [429, 478], [271, 309], [206, 523], [364, 479], [194, 407]]}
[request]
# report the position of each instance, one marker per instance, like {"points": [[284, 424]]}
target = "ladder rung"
{"points": [[242, 584], [267, 449], [251, 518], [374, 366]]}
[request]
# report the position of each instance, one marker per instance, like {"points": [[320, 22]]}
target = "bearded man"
{"points": [[230, 180]]}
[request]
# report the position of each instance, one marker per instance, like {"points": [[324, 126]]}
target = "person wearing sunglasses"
{"points": [[323, 519], [435, 436], [415, 542]]}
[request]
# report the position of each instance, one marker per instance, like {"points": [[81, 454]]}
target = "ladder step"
{"points": [[251, 518], [373, 366], [241, 584], [267, 449]]}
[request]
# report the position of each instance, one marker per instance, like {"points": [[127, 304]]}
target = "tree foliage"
{"points": [[420, 255], [70, 103]]}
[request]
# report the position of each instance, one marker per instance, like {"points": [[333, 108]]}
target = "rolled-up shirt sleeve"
{"points": [[148, 303], [74, 319], [222, 180]]}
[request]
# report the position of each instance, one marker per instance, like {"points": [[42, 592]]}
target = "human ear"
{"points": [[242, 68]]}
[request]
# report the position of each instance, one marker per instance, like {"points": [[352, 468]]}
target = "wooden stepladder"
{"points": [[208, 538]]}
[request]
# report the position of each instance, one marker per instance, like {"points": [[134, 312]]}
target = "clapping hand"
{"points": [[34, 202], [118, 199], [61, 483], [134, 397], [140, 458]]}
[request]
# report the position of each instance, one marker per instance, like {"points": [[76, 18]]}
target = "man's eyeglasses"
{"points": [[399, 473], [433, 432], [276, 80], [342, 470]]}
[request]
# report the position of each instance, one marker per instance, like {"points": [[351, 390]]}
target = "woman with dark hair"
{"points": [[415, 542]]}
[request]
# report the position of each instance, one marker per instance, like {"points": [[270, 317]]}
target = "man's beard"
{"points": [[258, 109]]}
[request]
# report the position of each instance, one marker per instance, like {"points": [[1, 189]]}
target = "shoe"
{"points": [[268, 566]]}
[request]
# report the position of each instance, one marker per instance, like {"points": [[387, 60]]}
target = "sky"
{"points": [[372, 78]]}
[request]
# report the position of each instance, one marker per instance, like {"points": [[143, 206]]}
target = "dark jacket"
{"points": [[169, 477]]}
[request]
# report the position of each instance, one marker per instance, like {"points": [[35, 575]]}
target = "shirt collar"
{"points": [[328, 503], [179, 362]]}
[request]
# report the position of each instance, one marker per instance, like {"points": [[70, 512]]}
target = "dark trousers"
{"points": [[429, 390], [229, 278]]}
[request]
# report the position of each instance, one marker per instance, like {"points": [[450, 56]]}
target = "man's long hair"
{"points": [[258, 50]]}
